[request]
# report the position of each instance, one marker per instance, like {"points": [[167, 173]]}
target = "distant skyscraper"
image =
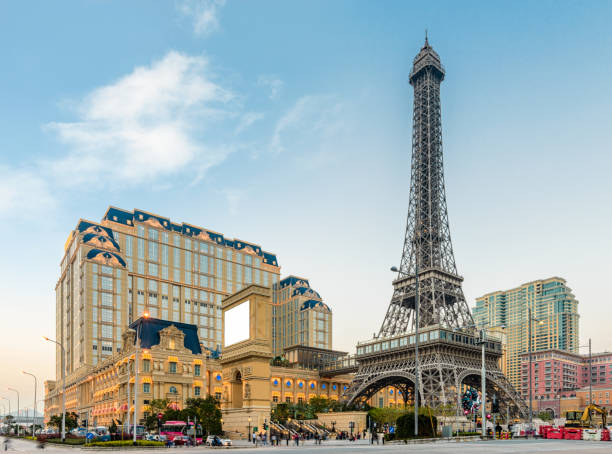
{"points": [[299, 316], [134, 262], [556, 326]]}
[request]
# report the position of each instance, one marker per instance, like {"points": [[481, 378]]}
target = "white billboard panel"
{"points": [[237, 324]]}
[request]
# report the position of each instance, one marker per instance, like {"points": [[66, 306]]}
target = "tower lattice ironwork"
{"points": [[428, 251], [449, 345]]}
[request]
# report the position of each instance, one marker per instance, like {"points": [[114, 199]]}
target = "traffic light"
{"points": [[495, 405]]}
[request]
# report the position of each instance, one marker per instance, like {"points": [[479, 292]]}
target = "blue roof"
{"points": [[106, 257], [302, 290], [128, 218], [90, 227], [120, 216], [292, 280], [148, 331], [314, 303], [101, 240]]}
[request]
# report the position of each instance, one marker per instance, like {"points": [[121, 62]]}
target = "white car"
{"points": [[226, 442]]}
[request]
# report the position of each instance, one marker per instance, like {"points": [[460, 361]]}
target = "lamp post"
{"points": [[416, 341], [249, 435], [63, 386], [136, 367], [530, 350], [14, 390], [590, 376], [9, 402], [35, 389]]}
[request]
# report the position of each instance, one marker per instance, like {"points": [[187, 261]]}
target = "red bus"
{"points": [[172, 429]]}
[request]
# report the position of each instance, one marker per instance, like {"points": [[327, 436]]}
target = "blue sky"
{"points": [[289, 124]]}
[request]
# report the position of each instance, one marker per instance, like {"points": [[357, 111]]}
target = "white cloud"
{"points": [[247, 120], [23, 193], [274, 83], [150, 122], [310, 125], [204, 14]]}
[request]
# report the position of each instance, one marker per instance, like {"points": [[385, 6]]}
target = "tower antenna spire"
{"points": [[426, 40]]}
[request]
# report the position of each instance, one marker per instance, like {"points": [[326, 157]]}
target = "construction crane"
{"points": [[587, 415]]}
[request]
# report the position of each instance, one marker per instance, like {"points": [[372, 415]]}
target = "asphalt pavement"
{"points": [[477, 447]]}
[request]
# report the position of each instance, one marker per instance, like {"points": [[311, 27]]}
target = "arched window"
{"points": [[173, 390]]}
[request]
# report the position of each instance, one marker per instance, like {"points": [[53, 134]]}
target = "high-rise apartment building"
{"points": [[134, 262], [299, 316], [554, 324]]}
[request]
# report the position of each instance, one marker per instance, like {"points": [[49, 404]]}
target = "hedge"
{"points": [[126, 443], [405, 426]]}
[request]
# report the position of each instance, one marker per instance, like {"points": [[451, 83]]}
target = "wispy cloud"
{"points": [[203, 13], [273, 83], [247, 120], [150, 122], [23, 193], [311, 124]]}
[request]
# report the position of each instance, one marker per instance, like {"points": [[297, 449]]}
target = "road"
{"points": [[478, 447]]}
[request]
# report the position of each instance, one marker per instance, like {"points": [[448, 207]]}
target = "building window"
{"points": [[173, 388], [197, 391], [146, 365], [146, 387], [218, 396], [196, 370], [172, 367], [275, 398], [288, 399]]}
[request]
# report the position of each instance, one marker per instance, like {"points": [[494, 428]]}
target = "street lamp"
{"points": [[9, 402], [416, 342], [249, 435], [540, 322], [35, 389], [138, 346], [590, 378], [483, 376], [63, 386], [14, 390]]}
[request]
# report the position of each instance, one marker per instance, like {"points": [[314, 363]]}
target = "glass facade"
{"points": [[554, 324], [182, 273]]}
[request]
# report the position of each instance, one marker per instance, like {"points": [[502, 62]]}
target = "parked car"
{"points": [[226, 442], [214, 440]]}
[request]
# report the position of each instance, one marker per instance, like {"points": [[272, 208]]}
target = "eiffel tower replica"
{"points": [[427, 291]]}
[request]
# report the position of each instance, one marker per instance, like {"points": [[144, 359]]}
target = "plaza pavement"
{"points": [[363, 447]]}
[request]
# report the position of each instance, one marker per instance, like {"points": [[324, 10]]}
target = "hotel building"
{"points": [[554, 324], [134, 262], [300, 317]]}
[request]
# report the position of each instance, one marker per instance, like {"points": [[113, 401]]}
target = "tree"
{"points": [[71, 421], [207, 411], [545, 416], [427, 424], [388, 415], [158, 406]]}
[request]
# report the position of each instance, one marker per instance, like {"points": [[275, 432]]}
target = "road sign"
{"points": [[89, 436]]}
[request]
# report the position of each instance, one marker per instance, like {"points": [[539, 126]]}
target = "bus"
{"points": [[127, 431], [172, 429]]}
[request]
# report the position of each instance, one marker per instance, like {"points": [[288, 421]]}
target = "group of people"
{"points": [[261, 439]]}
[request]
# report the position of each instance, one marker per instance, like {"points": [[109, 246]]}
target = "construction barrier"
{"points": [[542, 430], [591, 434], [554, 434], [605, 435], [572, 433]]}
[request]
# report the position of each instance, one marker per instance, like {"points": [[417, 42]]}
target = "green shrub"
{"points": [[69, 441], [126, 443], [427, 425]]}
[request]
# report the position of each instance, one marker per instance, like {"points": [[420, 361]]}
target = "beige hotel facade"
{"points": [[134, 263]]}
